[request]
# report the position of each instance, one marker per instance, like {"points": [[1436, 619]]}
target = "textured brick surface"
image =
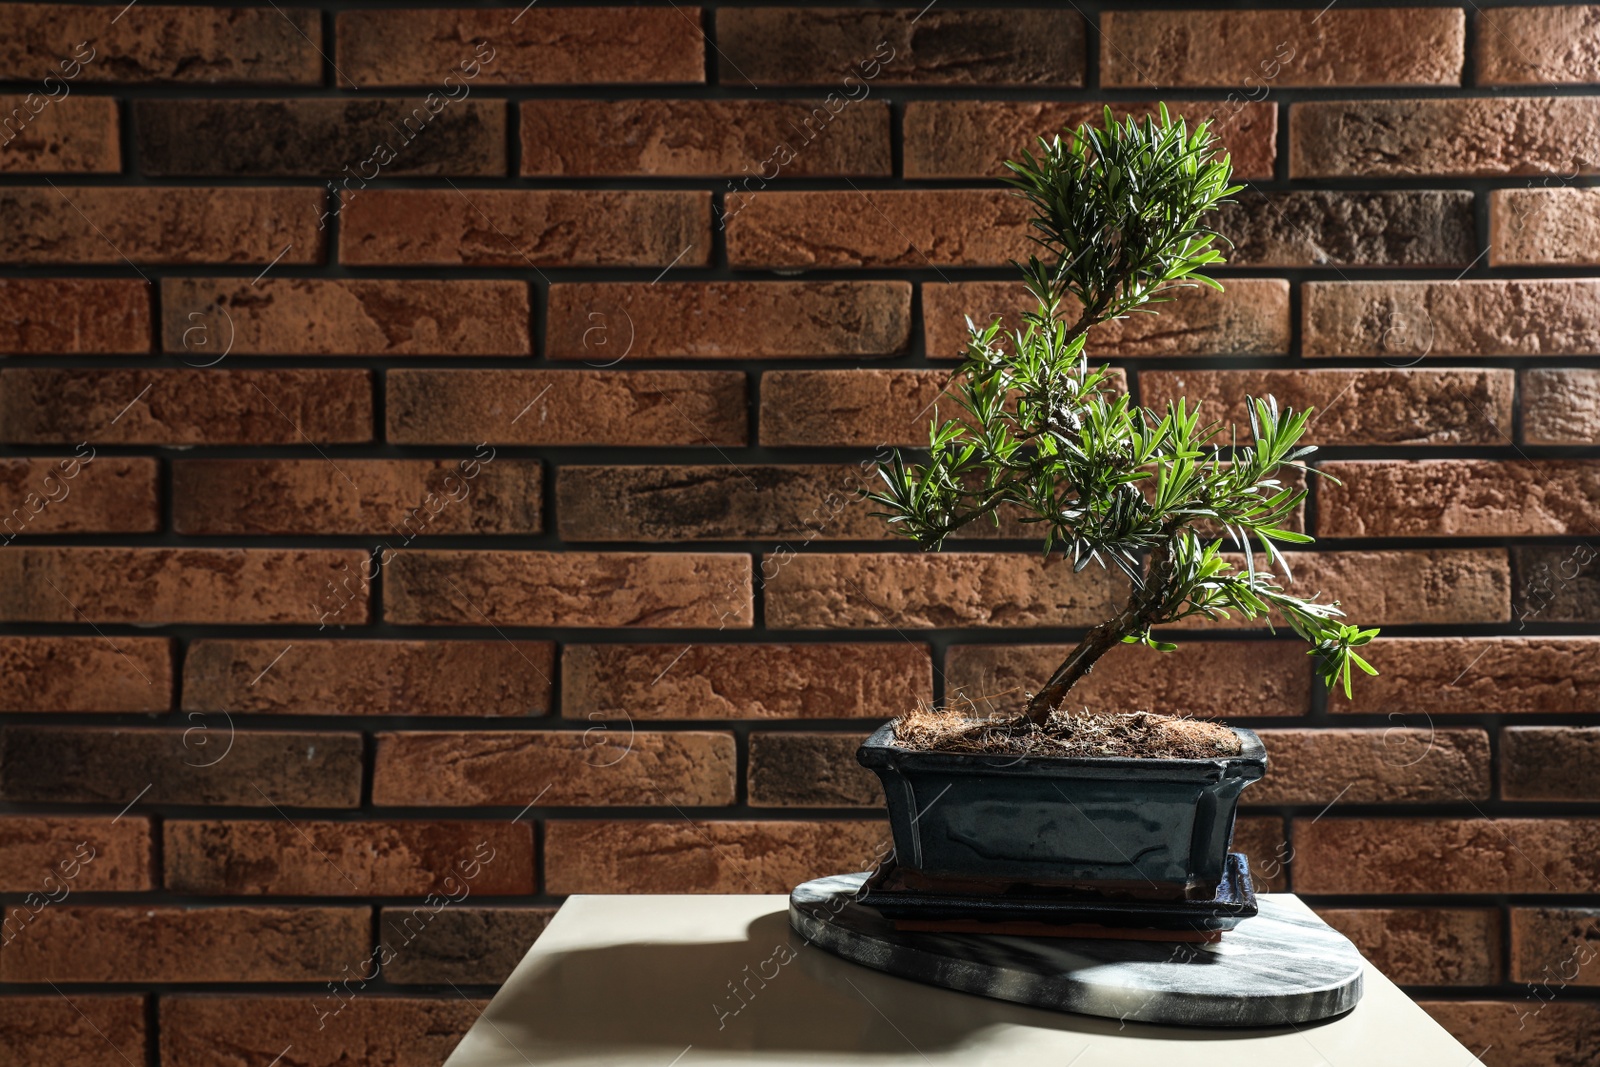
{"points": [[1263, 841], [599, 766], [64, 494], [45, 405], [543, 46], [1394, 46], [809, 681], [1399, 588], [1544, 227], [248, 46], [873, 591], [43, 138], [1560, 406], [407, 498], [1470, 855], [1538, 46], [1550, 763], [1549, 1033], [1212, 679], [1460, 498], [523, 228], [72, 1030], [1484, 675], [493, 677], [178, 585], [1425, 946], [314, 317], [60, 855], [1250, 317], [1317, 229], [189, 224], [602, 323], [1418, 406], [972, 138], [717, 503], [346, 142], [1384, 766], [569, 407], [568, 589], [1555, 945], [810, 771], [1404, 323], [200, 1031], [1557, 583], [1478, 137], [65, 674], [754, 140], [707, 857], [337, 859], [464, 944], [74, 316], [902, 46], [207, 762]]}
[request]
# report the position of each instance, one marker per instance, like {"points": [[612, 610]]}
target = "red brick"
{"points": [[1402, 587], [277, 858], [1206, 679], [462, 943], [161, 225], [1555, 583], [1282, 49], [1405, 322], [1394, 765], [790, 770], [65, 494], [1425, 946], [604, 322], [344, 317], [1550, 762], [753, 140], [809, 681], [507, 588], [406, 497], [74, 316], [456, 678], [1538, 46], [205, 1031], [1530, 1031], [1459, 498], [218, 45], [1557, 947], [567, 407], [1250, 317], [541, 46], [1466, 855], [1262, 840], [900, 46], [73, 674], [1560, 406], [599, 766], [523, 228], [717, 503], [916, 228], [1469, 138], [44, 137], [48, 405], [680, 856], [1317, 228], [906, 591], [179, 585], [1479, 676], [55, 856], [208, 762], [972, 138], [1414, 406], [73, 1030], [1544, 227], [163, 943]]}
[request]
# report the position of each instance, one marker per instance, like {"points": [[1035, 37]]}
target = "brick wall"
{"points": [[429, 440]]}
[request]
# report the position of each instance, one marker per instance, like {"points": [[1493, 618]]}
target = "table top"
{"points": [[685, 981]]}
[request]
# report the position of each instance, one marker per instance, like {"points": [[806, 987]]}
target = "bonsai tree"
{"points": [[1158, 495]]}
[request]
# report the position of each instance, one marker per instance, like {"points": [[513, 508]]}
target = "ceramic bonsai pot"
{"points": [[1140, 828]]}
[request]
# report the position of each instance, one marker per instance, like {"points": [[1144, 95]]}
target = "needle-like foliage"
{"points": [[1042, 437]]}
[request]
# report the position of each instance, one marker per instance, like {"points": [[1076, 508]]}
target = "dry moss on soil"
{"points": [[1139, 734]]}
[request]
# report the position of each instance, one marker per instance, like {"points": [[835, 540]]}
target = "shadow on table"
{"points": [[771, 991]]}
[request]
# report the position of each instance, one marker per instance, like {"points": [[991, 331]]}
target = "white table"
{"points": [[684, 981]]}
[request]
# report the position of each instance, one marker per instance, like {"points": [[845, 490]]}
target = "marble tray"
{"points": [[1282, 966]]}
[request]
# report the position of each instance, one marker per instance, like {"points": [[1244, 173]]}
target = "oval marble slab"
{"points": [[1281, 967]]}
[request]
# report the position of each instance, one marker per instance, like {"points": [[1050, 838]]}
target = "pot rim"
{"points": [[881, 750]]}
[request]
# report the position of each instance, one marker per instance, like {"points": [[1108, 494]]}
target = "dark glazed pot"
{"points": [[1119, 826]]}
